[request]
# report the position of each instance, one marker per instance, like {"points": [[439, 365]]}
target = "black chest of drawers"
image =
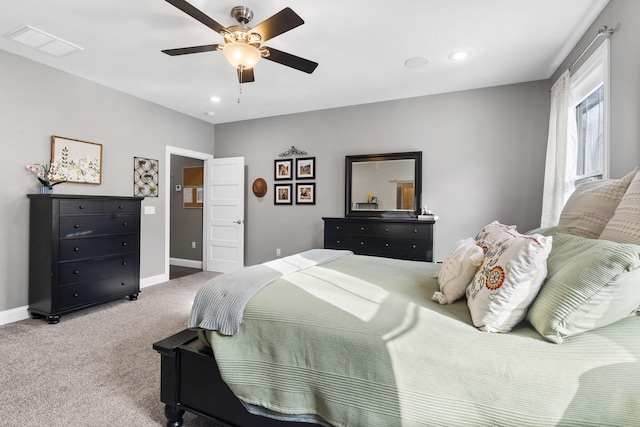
{"points": [[391, 238], [83, 250]]}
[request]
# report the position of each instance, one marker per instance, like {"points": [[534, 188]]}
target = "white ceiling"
{"points": [[361, 46]]}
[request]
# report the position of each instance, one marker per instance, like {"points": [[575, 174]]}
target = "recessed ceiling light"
{"points": [[459, 55], [416, 62], [215, 99], [42, 41], [210, 113]]}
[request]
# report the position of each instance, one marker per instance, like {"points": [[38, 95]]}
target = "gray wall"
{"points": [[483, 160], [624, 80], [186, 223], [38, 101]]}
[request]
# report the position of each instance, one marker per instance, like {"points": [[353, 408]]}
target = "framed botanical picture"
{"points": [[282, 194], [306, 168], [145, 177], [306, 194], [76, 161], [283, 169]]}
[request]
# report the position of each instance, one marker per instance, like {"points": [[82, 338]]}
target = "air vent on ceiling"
{"points": [[42, 41]]}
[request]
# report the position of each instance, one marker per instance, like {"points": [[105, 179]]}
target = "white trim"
{"points": [[180, 262], [14, 315], [169, 150], [153, 280], [22, 313]]}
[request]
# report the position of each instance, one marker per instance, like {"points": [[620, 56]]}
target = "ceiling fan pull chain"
{"points": [[240, 84]]}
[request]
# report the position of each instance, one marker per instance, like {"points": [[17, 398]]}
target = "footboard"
{"points": [[190, 381]]}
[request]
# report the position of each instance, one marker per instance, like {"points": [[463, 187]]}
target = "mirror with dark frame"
{"points": [[383, 185]]}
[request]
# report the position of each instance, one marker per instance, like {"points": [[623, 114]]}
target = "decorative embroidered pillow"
{"points": [[513, 269], [491, 232], [624, 226], [592, 205], [457, 270]]}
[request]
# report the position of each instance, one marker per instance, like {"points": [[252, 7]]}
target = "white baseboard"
{"points": [[185, 263], [153, 280], [22, 313], [14, 315]]}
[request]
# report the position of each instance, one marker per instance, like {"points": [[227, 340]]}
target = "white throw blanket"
{"points": [[219, 304]]}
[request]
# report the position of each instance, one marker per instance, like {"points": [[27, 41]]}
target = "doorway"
{"points": [[186, 216], [170, 185]]}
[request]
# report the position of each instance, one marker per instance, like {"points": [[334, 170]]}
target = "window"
{"points": [[589, 90], [590, 140]]}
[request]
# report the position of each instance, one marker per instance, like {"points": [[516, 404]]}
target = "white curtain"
{"points": [[560, 165]]}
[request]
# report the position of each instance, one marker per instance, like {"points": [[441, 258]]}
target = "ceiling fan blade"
{"points": [[279, 23], [291, 60], [246, 76], [193, 49], [198, 14]]}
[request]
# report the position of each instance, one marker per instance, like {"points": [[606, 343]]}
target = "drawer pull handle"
{"points": [[414, 246], [124, 224], [120, 207], [75, 295], [123, 284], [81, 207], [124, 243], [76, 271], [338, 242], [415, 231], [386, 244], [361, 243], [361, 228], [338, 228], [76, 226], [386, 229], [124, 263], [76, 249]]}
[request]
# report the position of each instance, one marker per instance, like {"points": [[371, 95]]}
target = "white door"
{"points": [[224, 237]]}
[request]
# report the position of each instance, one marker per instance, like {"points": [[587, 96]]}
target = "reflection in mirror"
{"points": [[383, 184]]}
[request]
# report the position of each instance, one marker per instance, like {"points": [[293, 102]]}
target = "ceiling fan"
{"points": [[243, 45]]}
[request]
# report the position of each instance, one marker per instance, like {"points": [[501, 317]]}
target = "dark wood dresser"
{"points": [[392, 238], [83, 250]]}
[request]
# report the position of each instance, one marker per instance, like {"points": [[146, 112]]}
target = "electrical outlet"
{"points": [[193, 245], [278, 252]]}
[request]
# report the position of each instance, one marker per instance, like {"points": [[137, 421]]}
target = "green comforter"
{"points": [[358, 342]]}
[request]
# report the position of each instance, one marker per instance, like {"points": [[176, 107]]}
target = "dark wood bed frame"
{"points": [[190, 381]]}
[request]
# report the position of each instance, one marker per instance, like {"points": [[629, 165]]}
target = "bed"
{"points": [[350, 340]]}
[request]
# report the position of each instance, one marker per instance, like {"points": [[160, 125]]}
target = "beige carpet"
{"points": [[97, 366]]}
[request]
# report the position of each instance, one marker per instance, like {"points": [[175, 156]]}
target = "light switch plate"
{"points": [[149, 210]]}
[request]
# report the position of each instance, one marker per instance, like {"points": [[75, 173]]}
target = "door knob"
{"points": [[239, 221]]}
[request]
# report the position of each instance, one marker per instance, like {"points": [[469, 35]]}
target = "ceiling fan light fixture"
{"points": [[241, 55]]}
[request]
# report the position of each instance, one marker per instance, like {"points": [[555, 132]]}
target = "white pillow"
{"points": [[592, 205], [491, 232], [514, 267], [457, 270], [624, 225]]}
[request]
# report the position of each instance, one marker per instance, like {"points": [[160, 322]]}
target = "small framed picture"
{"points": [[283, 169], [306, 168], [306, 194], [282, 194]]}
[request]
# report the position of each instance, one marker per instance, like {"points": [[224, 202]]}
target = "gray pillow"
{"points": [[590, 283]]}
